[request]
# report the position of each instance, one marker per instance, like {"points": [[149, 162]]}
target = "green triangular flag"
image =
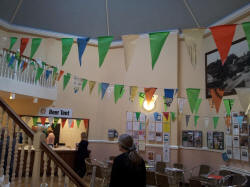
{"points": [[141, 98], [78, 121], [84, 82], [55, 69], [118, 92], [34, 46], [157, 40], [228, 105], [39, 72], [104, 43], [66, 47], [35, 121], [246, 28], [195, 120], [165, 107], [99, 88], [55, 122], [137, 114], [12, 42], [192, 94], [173, 116], [215, 119], [197, 106], [66, 79]]}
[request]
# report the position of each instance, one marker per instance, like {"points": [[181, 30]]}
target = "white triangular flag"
{"points": [[244, 97], [50, 120], [69, 123], [181, 102], [206, 122]]}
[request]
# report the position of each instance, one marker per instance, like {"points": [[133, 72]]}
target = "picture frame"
{"points": [[234, 73]]}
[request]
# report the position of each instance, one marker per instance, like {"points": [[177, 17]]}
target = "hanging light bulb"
{"points": [[35, 100], [149, 106], [12, 96]]}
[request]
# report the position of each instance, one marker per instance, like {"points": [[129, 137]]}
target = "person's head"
{"points": [[126, 144], [84, 136]]}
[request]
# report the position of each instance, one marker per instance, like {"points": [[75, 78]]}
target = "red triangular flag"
{"points": [[25, 64], [217, 95], [63, 121], [72, 124], [60, 75], [166, 114], [86, 123], [43, 119], [24, 42], [223, 37], [149, 92]]}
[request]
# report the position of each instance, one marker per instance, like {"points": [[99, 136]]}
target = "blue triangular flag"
{"points": [[82, 43], [104, 88], [157, 116], [21, 64], [12, 59], [47, 74], [169, 93], [240, 119], [176, 91]]}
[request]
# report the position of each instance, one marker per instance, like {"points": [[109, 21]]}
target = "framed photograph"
{"points": [[234, 73]]}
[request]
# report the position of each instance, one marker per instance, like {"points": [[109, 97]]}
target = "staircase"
{"points": [[17, 143]]}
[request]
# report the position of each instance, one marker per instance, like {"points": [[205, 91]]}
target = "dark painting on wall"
{"points": [[233, 74]]}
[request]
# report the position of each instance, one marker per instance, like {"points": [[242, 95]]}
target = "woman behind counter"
{"points": [[51, 137], [128, 168], [81, 154]]}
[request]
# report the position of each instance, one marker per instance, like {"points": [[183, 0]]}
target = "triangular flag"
{"points": [[63, 120], [215, 120], [187, 119], [197, 105], [168, 94], [193, 39], [206, 122], [104, 87], [99, 88], [246, 28], [137, 114], [60, 75], [165, 104], [86, 123], [149, 92], [228, 105], [70, 122], [66, 79], [12, 60], [104, 43], [240, 120], [50, 119], [157, 40], [66, 47], [195, 120], [25, 64], [12, 42], [118, 91], [82, 43], [166, 115], [223, 36], [133, 92], [176, 91], [141, 98], [43, 119], [55, 121], [78, 121], [91, 86], [217, 95], [38, 73], [227, 121], [55, 69], [84, 82], [244, 97], [23, 44], [47, 74], [34, 46], [35, 121], [173, 116], [181, 102], [129, 43], [192, 94]]}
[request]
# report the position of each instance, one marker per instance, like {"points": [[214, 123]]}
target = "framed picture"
{"points": [[234, 73]]}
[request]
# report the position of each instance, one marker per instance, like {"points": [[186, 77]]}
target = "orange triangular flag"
{"points": [[149, 92], [72, 124], [63, 121], [227, 121], [60, 75], [166, 115], [43, 119], [86, 123], [223, 37], [23, 44], [217, 95]]}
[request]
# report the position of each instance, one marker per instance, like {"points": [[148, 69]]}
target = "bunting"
{"points": [[104, 87], [223, 37], [228, 105], [196, 120], [35, 121], [169, 95], [86, 123], [141, 98], [38, 73], [66, 47], [78, 121], [66, 79], [133, 92], [104, 43], [43, 119], [55, 69], [60, 75], [118, 92], [192, 94], [166, 115], [34, 46], [246, 28], [23, 44], [12, 42], [70, 122], [149, 92], [55, 121], [217, 95], [63, 120], [82, 43], [215, 120], [84, 82], [244, 97], [137, 114], [47, 74], [157, 40], [173, 116], [227, 121], [91, 86], [197, 105]]}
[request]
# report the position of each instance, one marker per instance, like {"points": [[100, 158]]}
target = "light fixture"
{"points": [[12, 96], [35, 100], [149, 106]]}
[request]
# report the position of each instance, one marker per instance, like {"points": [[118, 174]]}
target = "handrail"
{"points": [[16, 118], [60, 162]]}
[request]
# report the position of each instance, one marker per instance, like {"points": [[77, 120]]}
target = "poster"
{"points": [[151, 136], [136, 135], [236, 129], [151, 126], [142, 135], [142, 126], [229, 141], [218, 140], [158, 137], [236, 141], [158, 127], [142, 145], [129, 116], [129, 126], [136, 126], [166, 127], [166, 153], [236, 153], [150, 156], [229, 151], [166, 138], [142, 117], [244, 154]]}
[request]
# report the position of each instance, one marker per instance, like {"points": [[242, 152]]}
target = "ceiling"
{"points": [[88, 17]]}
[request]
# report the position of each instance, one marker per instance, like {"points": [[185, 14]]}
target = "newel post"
{"points": [[38, 137]]}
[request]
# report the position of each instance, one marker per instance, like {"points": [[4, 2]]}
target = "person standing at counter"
{"points": [[81, 154], [128, 168], [51, 137]]}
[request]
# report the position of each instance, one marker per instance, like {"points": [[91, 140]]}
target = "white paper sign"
{"points": [[235, 129], [236, 141], [158, 127], [151, 126], [136, 126], [166, 138], [181, 102], [229, 141], [166, 153], [151, 136], [236, 153], [229, 151], [244, 154], [142, 146], [56, 112], [158, 137]]}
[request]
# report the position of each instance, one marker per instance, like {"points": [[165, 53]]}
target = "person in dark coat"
{"points": [[81, 154], [128, 169]]}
